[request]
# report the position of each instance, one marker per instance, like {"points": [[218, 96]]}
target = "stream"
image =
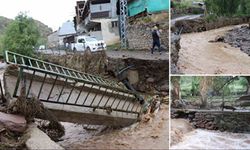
{"points": [[199, 56]]}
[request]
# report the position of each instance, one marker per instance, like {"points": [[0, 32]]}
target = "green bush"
{"points": [[21, 35]]}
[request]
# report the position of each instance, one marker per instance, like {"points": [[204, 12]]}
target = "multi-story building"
{"points": [[98, 19]]}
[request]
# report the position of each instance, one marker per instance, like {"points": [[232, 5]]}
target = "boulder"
{"points": [[13, 122], [39, 140]]}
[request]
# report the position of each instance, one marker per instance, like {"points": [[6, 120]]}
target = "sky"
{"points": [[51, 12]]}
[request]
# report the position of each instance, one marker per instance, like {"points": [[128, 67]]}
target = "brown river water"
{"points": [[187, 138], [151, 133], [199, 56]]}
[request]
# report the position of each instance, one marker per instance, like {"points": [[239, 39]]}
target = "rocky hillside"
{"points": [[44, 29], [3, 24]]}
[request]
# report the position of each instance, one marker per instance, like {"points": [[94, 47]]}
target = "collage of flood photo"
{"points": [[210, 74], [124, 74]]}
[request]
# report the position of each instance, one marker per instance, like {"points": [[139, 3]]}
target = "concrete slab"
{"points": [[67, 109]]}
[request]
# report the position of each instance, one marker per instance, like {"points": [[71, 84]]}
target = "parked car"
{"points": [[83, 43]]}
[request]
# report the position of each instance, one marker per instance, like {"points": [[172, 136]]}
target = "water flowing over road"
{"points": [[199, 56]]}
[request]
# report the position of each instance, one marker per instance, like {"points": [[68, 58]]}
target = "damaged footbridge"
{"points": [[71, 95]]}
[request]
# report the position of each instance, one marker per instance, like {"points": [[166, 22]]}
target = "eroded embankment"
{"points": [[201, 24], [149, 74], [175, 48]]}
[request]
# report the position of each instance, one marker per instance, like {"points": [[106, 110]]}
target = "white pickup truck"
{"points": [[88, 43]]}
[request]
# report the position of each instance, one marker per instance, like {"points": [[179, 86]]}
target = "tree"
{"points": [[205, 85], [21, 35], [228, 7], [176, 89]]}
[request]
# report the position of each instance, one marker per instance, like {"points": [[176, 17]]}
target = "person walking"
{"points": [[156, 39]]}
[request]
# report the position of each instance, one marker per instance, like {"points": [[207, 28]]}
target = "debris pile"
{"points": [[31, 108], [239, 38]]}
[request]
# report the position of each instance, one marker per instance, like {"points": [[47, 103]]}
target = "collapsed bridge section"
{"points": [[71, 95]]}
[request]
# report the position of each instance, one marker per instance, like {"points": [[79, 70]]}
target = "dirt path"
{"points": [[199, 56], [151, 135]]}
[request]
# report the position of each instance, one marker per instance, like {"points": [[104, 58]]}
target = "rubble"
{"points": [[239, 38], [39, 140]]}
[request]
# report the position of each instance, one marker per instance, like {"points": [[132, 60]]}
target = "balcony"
{"points": [[100, 10]]}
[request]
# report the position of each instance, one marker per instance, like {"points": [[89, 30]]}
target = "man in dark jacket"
{"points": [[156, 39]]}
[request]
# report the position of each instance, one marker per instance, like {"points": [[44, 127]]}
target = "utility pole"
{"points": [[123, 23]]}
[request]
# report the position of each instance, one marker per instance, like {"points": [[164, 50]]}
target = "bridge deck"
{"points": [[72, 99]]}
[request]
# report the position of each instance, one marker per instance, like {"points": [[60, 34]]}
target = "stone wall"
{"points": [[230, 121], [225, 121], [139, 36]]}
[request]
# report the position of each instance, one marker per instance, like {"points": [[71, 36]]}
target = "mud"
{"points": [[93, 63], [152, 70], [239, 38], [199, 56], [179, 127], [152, 133]]}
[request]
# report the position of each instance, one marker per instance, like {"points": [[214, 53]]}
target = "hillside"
{"points": [[3, 24], [43, 29]]}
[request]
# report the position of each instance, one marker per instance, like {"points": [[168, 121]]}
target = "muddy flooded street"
{"points": [[198, 138], [199, 56], [151, 132]]}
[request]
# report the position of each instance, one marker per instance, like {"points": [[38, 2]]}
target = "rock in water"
{"points": [[13, 122]]}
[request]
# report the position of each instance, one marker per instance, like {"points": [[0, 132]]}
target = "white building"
{"points": [[97, 18]]}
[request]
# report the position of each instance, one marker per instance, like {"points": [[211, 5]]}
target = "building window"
{"points": [[114, 24]]}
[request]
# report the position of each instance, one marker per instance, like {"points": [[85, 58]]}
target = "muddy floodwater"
{"points": [[150, 133], [205, 139], [199, 56]]}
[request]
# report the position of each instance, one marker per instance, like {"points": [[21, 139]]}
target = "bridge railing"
{"points": [[105, 94]]}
